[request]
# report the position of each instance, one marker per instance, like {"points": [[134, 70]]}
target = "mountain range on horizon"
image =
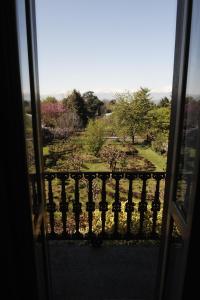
{"points": [[108, 96]]}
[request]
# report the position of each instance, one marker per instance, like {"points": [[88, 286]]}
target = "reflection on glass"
{"points": [[191, 123], [33, 187], [23, 52], [26, 97]]}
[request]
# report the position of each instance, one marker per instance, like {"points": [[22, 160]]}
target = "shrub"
{"points": [[112, 156], [94, 137], [160, 144]]}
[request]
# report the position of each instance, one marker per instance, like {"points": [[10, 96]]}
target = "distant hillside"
{"points": [[109, 96]]}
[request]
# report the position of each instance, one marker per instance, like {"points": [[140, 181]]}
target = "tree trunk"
{"points": [[133, 139], [148, 139]]}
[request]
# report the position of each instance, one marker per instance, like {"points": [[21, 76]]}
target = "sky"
{"points": [[106, 46]]}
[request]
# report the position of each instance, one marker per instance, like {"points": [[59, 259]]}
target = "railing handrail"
{"points": [[105, 172], [149, 174], [163, 173], [130, 207]]}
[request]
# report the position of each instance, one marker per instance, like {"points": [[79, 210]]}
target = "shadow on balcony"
{"points": [[103, 232]]}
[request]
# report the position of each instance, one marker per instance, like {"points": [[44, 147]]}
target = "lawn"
{"points": [[145, 160], [158, 160], [45, 150]]}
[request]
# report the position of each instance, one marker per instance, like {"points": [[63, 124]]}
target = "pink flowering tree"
{"points": [[51, 112]]}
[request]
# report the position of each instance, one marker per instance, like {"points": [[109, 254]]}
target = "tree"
{"points": [[94, 136], [159, 121], [70, 121], [109, 105], [112, 156], [123, 162], [160, 143], [93, 104], [130, 112], [75, 103], [50, 112], [164, 102], [50, 99]]}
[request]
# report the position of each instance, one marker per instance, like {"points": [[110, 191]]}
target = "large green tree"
{"points": [[93, 104], [75, 103], [159, 119], [130, 113], [164, 102], [158, 129]]}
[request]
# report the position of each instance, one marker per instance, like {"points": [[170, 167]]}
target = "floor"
{"points": [[111, 272]]}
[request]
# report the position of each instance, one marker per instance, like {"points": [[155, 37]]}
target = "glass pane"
{"points": [[26, 97], [28, 103], [23, 52], [191, 122]]}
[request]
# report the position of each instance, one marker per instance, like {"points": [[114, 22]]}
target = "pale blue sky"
{"points": [[105, 45]]}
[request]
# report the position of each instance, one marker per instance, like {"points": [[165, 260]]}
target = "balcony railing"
{"points": [[103, 205]]}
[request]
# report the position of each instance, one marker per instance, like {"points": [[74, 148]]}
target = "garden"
{"points": [[84, 134]]}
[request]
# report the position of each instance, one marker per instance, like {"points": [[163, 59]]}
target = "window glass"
{"points": [[191, 122], [23, 52], [26, 98]]}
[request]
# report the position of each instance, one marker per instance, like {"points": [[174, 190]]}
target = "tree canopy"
{"points": [[76, 103], [94, 136], [93, 104], [164, 102], [50, 99], [130, 112]]}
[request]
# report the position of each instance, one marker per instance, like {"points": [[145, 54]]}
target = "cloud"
{"points": [[162, 89], [111, 90]]}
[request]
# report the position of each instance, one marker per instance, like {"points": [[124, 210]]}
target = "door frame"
{"points": [[35, 99], [19, 239], [171, 212], [37, 134]]}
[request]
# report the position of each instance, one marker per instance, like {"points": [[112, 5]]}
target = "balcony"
{"points": [[118, 212], [101, 206]]}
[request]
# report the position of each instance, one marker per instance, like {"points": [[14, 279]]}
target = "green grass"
{"points": [[158, 160], [95, 164], [96, 167], [45, 150], [136, 162]]}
